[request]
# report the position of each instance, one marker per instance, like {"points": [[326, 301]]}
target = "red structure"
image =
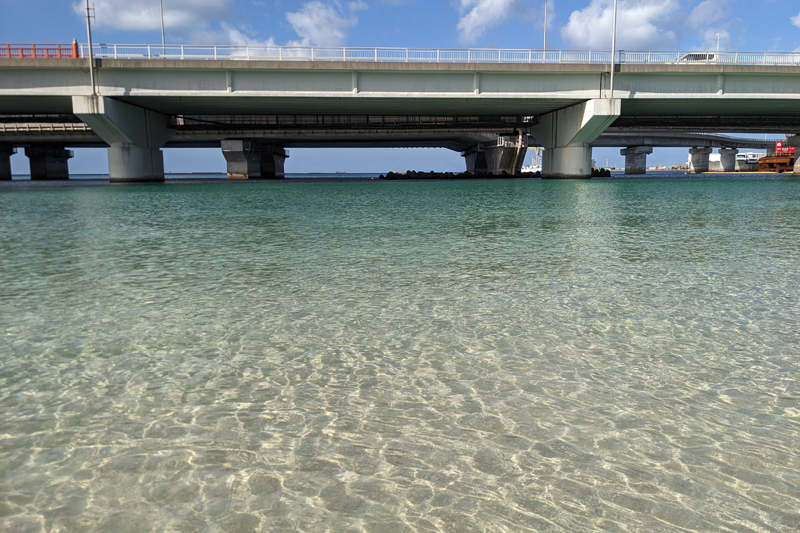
{"points": [[40, 51], [781, 148]]}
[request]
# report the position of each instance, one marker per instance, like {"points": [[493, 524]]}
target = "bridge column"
{"points": [[507, 155], [243, 158], [475, 158], [699, 159], [135, 136], [567, 136], [48, 162], [727, 159], [6, 151], [249, 159], [636, 159], [272, 162]]}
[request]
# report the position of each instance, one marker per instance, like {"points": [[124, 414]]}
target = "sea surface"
{"points": [[618, 355]]}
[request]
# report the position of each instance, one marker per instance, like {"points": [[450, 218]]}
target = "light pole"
{"points": [[718, 44], [613, 47], [545, 27], [163, 40], [91, 53]]}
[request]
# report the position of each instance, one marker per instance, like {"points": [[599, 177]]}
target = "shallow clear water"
{"points": [[617, 355]]}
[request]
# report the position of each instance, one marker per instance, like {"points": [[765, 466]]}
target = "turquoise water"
{"points": [[615, 355]]}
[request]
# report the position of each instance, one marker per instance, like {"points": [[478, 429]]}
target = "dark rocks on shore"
{"points": [[414, 175], [601, 173]]}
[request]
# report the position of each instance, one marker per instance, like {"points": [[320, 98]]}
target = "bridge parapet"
{"points": [[396, 54]]}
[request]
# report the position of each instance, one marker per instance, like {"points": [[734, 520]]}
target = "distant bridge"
{"points": [[460, 99]]}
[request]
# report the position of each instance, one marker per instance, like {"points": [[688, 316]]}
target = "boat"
{"points": [[536, 161]]}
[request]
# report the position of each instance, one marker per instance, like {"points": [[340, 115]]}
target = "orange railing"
{"points": [[44, 51]]}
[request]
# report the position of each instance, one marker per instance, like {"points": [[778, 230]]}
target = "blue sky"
{"points": [[744, 25]]}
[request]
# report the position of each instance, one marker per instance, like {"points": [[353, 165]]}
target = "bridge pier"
{"points": [[727, 159], [567, 136], [243, 159], [48, 162], [252, 160], [507, 155], [272, 162], [636, 159], [475, 158], [6, 151], [699, 159], [135, 136]]}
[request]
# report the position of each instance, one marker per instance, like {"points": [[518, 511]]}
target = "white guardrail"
{"points": [[433, 55]]}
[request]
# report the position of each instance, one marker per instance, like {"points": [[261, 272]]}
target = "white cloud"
{"points": [[795, 20], [320, 24], [238, 37], [636, 25], [480, 16], [185, 21], [182, 16], [358, 5], [707, 12]]}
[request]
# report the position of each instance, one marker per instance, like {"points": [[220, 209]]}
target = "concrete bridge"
{"points": [[490, 111]]}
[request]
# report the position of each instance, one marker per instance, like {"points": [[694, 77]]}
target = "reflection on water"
{"points": [[471, 356]]}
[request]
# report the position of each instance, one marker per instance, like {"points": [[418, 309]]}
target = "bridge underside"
{"points": [[695, 114]]}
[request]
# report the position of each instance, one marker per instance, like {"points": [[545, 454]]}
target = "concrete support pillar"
{"points": [[249, 159], [727, 159], [6, 151], [243, 159], [507, 155], [272, 162], [636, 159], [567, 136], [475, 158], [504, 155], [48, 162], [699, 159], [134, 135]]}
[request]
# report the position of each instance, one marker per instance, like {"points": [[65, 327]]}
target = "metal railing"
{"points": [[372, 55], [45, 51], [399, 55], [707, 58], [39, 127]]}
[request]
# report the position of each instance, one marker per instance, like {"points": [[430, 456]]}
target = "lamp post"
{"points": [[545, 27], [718, 44], [613, 47], [91, 53], [163, 40]]}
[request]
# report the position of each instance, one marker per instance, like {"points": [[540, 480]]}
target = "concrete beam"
{"points": [[6, 151], [699, 162], [134, 135], [48, 162], [567, 136], [636, 159]]}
